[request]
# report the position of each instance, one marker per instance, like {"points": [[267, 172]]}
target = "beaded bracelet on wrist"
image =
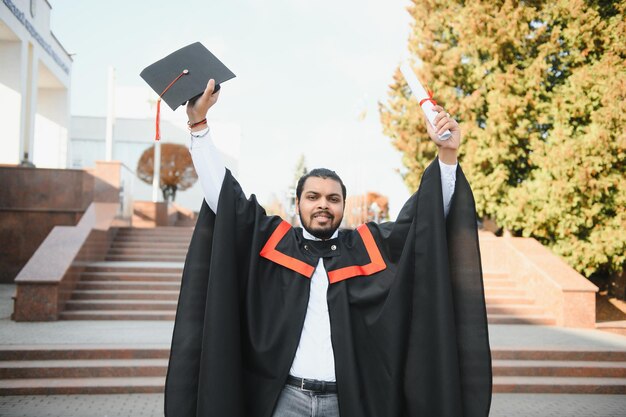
{"points": [[200, 123]]}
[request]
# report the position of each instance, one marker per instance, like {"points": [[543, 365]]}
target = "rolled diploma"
{"points": [[420, 94]]}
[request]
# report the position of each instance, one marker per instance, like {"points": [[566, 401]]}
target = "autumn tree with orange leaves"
{"points": [[177, 171]]}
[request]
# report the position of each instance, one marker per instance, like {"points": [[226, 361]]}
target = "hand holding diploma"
{"points": [[426, 101], [441, 127], [447, 148]]}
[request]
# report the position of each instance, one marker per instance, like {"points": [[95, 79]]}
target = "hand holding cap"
{"points": [[182, 75]]}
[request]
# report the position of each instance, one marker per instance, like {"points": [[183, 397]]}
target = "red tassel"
{"points": [[158, 120], [158, 116]]}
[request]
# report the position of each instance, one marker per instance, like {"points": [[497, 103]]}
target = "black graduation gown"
{"points": [[406, 305]]}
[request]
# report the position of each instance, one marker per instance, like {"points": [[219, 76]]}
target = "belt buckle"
{"points": [[302, 386]]}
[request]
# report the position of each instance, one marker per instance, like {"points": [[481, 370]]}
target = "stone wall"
{"points": [[32, 202]]}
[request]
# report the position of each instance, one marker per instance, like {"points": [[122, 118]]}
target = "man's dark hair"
{"points": [[320, 173]]}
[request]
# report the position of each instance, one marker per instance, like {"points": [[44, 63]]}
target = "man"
{"points": [[385, 321]]}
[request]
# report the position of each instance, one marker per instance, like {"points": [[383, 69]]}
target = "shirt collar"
{"points": [[309, 236]]}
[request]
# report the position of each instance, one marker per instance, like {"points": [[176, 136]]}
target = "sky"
{"points": [[310, 75]]}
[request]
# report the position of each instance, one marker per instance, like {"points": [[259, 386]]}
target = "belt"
{"points": [[313, 385]]}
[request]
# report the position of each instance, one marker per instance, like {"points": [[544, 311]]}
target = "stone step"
{"points": [[159, 229], [161, 315], [65, 386], [558, 355], [558, 385], [155, 257], [152, 277], [155, 230], [147, 245], [147, 251], [617, 327], [82, 368], [145, 235], [185, 223], [124, 295], [137, 267], [116, 351], [602, 369], [129, 285], [74, 305], [135, 351], [500, 283], [154, 242], [527, 319], [127, 385], [160, 247], [97, 368], [156, 253], [153, 236], [55, 370], [522, 310], [496, 275], [80, 352], [160, 244], [138, 222], [508, 299], [516, 291]]}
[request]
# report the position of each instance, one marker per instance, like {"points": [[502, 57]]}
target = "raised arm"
{"points": [[209, 166], [448, 150], [206, 158]]}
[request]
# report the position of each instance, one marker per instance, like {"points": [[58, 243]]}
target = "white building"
{"points": [[35, 74], [132, 136]]}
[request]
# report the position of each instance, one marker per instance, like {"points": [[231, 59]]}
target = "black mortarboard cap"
{"points": [[183, 75], [201, 66]]}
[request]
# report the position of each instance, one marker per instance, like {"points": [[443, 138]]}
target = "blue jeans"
{"points": [[294, 402]]}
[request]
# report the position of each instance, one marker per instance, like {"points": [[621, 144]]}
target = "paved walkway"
{"points": [[158, 334], [502, 336], [151, 405], [132, 405]]}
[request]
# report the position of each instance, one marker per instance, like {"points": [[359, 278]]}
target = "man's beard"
{"points": [[321, 233]]}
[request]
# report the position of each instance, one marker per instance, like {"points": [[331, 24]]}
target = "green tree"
{"points": [[575, 200], [538, 87]]}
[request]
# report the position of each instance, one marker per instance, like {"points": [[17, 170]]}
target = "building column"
{"points": [[30, 63], [11, 100], [64, 161]]}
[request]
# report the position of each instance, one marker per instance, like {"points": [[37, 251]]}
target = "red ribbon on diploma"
{"points": [[158, 115], [429, 98]]}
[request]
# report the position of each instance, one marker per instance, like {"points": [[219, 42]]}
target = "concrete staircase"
{"points": [[82, 370], [114, 369], [159, 244], [559, 371], [508, 303], [139, 279]]}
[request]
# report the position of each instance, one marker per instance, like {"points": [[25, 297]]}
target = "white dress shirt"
{"points": [[314, 357]]}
